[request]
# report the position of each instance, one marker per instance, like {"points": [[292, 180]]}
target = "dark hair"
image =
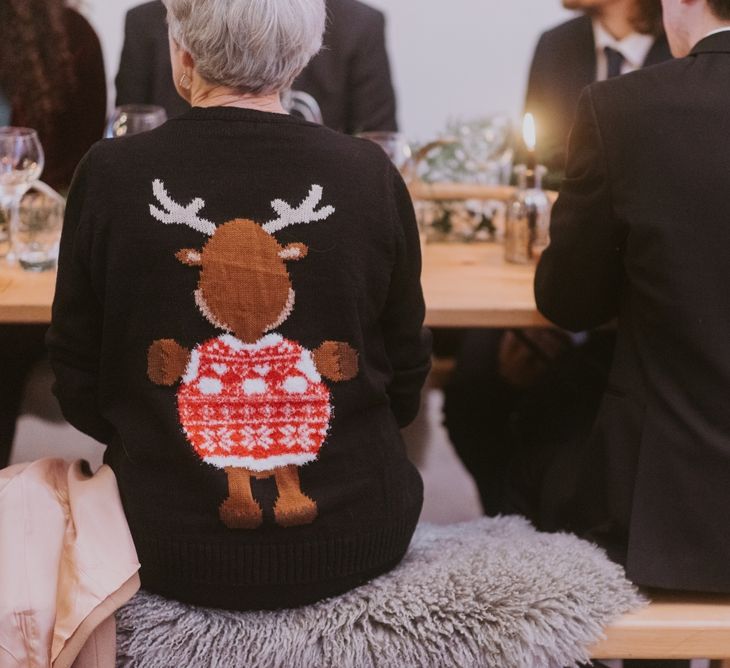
{"points": [[35, 59], [720, 8], [647, 18]]}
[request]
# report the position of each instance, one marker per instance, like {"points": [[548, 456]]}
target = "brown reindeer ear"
{"points": [[190, 257], [293, 252]]}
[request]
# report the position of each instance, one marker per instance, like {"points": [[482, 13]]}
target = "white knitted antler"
{"points": [[304, 213], [177, 214]]}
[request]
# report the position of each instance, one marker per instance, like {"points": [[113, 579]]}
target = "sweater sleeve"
{"points": [[408, 343], [74, 337]]}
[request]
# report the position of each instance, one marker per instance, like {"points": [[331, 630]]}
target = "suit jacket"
{"points": [[640, 232], [563, 65], [349, 78]]}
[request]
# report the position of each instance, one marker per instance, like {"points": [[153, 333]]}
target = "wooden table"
{"points": [[470, 285], [25, 297], [466, 285]]}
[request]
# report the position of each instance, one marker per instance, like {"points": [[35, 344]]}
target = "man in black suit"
{"points": [[612, 37], [349, 78], [640, 232]]}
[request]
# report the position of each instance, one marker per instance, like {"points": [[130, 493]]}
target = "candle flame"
{"points": [[529, 132]]}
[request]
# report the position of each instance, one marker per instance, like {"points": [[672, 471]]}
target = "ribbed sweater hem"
{"points": [[169, 561]]}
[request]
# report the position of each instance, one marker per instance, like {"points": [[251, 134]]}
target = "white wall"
{"points": [[451, 58]]}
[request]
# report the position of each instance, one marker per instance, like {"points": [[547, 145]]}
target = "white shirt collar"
{"points": [[634, 47], [714, 32]]}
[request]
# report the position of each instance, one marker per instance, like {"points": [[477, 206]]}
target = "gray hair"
{"points": [[252, 46]]}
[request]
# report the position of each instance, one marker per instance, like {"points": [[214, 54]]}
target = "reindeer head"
{"points": [[244, 286]]}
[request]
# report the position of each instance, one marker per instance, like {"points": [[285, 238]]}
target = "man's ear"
{"points": [[293, 252], [190, 256]]}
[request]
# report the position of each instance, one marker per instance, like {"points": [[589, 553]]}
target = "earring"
{"points": [[185, 81]]}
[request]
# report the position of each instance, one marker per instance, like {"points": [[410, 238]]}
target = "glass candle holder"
{"points": [[37, 232], [527, 227]]}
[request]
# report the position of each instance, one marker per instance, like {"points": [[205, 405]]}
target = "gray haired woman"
{"points": [[238, 317]]}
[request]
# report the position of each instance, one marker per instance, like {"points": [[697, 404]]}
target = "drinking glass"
{"points": [[21, 163], [38, 232], [131, 119], [396, 147]]}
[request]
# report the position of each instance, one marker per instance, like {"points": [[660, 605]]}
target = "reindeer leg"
{"points": [[292, 507], [240, 510]]}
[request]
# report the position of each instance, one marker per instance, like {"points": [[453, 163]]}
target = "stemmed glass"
{"points": [[131, 119], [21, 164]]}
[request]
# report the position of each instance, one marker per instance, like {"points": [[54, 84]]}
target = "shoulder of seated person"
{"points": [[641, 86], [353, 16], [566, 30], [148, 11], [76, 23]]}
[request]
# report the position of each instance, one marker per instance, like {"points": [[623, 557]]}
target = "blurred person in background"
{"points": [[349, 78], [612, 37], [639, 233], [51, 79]]}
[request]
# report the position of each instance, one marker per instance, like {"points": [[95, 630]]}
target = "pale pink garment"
{"points": [[67, 560]]}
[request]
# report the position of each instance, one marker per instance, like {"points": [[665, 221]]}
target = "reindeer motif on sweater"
{"points": [[250, 401]]}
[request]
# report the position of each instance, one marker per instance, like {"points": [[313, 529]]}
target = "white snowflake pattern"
{"points": [[257, 437], [209, 437], [306, 437], [288, 411], [288, 436], [226, 439]]}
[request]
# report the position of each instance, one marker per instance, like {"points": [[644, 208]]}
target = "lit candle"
{"points": [[529, 135]]}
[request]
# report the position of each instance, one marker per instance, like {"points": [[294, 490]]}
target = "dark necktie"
{"points": [[615, 62]]}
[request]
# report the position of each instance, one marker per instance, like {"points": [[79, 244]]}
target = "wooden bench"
{"points": [[673, 626]]}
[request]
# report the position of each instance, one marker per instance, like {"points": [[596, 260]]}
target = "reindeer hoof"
{"points": [[295, 512], [235, 516]]}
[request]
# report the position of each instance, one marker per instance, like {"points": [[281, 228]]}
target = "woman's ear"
{"points": [[187, 60], [182, 69]]}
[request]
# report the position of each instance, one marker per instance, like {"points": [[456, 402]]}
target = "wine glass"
{"points": [[21, 164], [131, 119], [303, 105]]}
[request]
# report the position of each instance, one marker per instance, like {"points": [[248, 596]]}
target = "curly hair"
{"points": [[648, 17], [36, 70]]}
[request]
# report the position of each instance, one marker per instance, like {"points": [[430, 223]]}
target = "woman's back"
{"points": [[248, 356]]}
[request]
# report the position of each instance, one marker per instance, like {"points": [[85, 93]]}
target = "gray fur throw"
{"points": [[492, 592]]}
